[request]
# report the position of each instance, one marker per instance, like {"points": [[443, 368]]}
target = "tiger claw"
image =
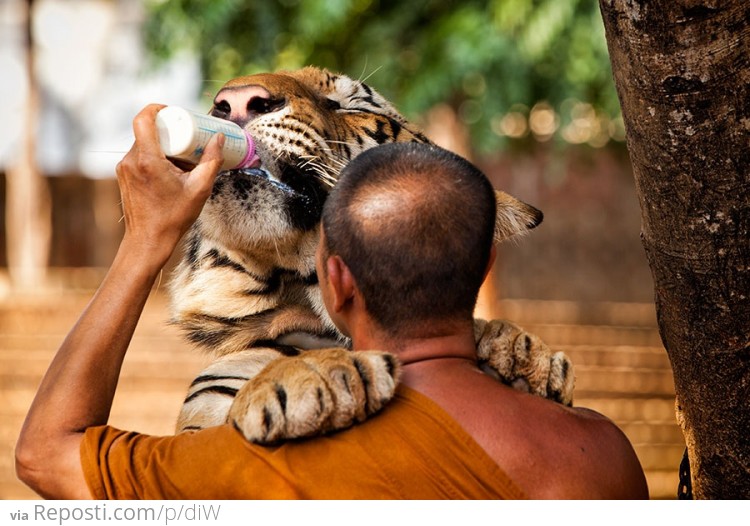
{"points": [[288, 399], [315, 393], [523, 361]]}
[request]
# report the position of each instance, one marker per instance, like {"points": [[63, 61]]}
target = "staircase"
{"points": [[621, 370]]}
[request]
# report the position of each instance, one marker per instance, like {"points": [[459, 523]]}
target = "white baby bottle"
{"points": [[184, 134]]}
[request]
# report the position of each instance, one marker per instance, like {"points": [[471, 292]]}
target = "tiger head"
{"points": [[259, 226], [307, 125]]}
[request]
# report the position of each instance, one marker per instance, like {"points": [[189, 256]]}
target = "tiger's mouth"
{"points": [[261, 173], [301, 193]]}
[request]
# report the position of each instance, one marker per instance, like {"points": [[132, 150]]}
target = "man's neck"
{"points": [[443, 341]]}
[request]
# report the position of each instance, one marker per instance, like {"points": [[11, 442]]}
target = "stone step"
{"points": [[56, 314], [626, 381], [31, 369], [602, 335], [653, 432], [617, 356], [626, 410], [573, 313], [168, 340]]}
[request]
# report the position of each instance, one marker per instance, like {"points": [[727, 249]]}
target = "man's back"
{"points": [[549, 450]]}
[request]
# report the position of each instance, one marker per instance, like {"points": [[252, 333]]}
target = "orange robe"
{"points": [[411, 450]]}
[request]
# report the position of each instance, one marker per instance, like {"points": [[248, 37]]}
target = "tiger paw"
{"points": [[317, 392], [523, 361]]}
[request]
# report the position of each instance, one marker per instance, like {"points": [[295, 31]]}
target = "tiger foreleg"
{"points": [[314, 393], [212, 392], [523, 361]]}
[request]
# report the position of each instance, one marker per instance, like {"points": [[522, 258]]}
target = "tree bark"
{"points": [[28, 214], [682, 71]]}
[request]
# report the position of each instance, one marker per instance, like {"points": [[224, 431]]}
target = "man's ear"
{"points": [[341, 283], [514, 217]]}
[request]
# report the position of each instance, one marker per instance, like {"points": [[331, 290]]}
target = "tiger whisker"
{"points": [[364, 68], [321, 170], [363, 80], [313, 160]]}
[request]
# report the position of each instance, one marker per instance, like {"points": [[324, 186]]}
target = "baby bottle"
{"points": [[184, 134]]}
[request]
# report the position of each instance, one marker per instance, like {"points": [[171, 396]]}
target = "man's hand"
{"points": [[160, 200]]}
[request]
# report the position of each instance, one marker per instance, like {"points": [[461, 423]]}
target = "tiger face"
{"points": [[248, 274], [307, 125]]}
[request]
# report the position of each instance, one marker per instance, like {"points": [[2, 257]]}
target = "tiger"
{"points": [[246, 291]]}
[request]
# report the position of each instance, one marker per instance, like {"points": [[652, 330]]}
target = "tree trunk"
{"points": [[28, 214], [682, 71]]}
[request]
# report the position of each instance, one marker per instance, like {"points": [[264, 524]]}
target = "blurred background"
{"points": [[521, 87]]}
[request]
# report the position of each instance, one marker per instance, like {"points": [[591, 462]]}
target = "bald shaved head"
{"points": [[414, 223]]}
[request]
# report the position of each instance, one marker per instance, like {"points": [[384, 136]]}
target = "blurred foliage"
{"points": [[487, 58]]}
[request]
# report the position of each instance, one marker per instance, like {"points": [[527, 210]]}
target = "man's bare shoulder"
{"points": [[580, 452]]}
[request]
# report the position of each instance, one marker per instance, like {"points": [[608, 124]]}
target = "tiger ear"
{"points": [[514, 217]]}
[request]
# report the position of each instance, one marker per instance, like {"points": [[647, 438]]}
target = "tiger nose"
{"points": [[238, 104]]}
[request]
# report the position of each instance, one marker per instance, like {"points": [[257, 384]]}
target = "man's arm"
{"points": [[160, 202]]}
